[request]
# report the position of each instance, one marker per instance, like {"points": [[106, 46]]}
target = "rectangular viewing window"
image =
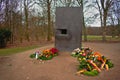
{"points": [[63, 31]]}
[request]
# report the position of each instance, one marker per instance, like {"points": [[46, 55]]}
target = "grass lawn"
{"points": [[99, 38], [9, 51]]}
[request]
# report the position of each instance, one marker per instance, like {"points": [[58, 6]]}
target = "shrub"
{"points": [[5, 35]]}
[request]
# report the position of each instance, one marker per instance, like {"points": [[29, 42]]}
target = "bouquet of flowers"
{"points": [[91, 63], [46, 54], [54, 51]]}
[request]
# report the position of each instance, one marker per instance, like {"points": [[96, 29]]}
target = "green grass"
{"points": [[99, 38], [10, 51]]}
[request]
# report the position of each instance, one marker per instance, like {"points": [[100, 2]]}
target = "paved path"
{"points": [[62, 67]]}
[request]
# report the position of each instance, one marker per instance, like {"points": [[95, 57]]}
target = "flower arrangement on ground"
{"points": [[46, 54], [54, 51], [91, 63]]}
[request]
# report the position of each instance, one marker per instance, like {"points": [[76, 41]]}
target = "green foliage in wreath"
{"points": [[91, 73], [46, 58], [85, 65], [32, 56], [110, 64]]}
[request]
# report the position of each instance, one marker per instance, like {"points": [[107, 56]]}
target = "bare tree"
{"points": [[80, 2], [27, 5], [104, 7], [1, 13], [49, 19], [9, 8], [115, 17], [66, 3], [116, 10], [46, 5]]}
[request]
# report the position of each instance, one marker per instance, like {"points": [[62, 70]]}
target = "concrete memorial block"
{"points": [[68, 28]]}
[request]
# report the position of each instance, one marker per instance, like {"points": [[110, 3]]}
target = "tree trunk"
{"points": [[26, 22], [84, 27], [84, 30], [49, 21], [20, 25], [104, 26]]}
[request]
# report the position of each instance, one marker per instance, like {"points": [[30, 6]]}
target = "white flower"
{"points": [[73, 53], [77, 50]]}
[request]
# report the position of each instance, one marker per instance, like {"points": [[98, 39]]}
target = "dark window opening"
{"points": [[63, 31]]}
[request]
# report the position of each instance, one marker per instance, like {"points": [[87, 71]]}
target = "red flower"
{"points": [[83, 54], [54, 50]]}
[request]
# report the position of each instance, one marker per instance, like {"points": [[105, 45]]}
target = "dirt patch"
{"points": [[4, 59], [62, 67]]}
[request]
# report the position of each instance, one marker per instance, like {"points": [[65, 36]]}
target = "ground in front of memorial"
{"points": [[63, 67]]}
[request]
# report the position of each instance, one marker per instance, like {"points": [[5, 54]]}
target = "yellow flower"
{"points": [[82, 51], [84, 58], [79, 59]]}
